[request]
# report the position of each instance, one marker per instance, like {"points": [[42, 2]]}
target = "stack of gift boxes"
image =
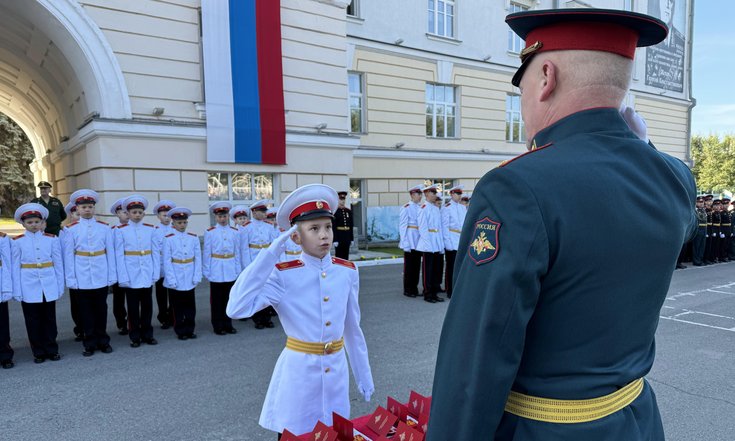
{"points": [[396, 421]]}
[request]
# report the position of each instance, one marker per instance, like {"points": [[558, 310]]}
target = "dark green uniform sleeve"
{"points": [[482, 340]]}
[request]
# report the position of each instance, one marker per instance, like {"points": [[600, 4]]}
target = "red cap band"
{"points": [[28, 214], [309, 206], [84, 200], [221, 210], [458, 191], [593, 36], [240, 213], [164, 207]]}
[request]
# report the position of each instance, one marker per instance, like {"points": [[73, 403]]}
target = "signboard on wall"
{"points": [[665, 61]]}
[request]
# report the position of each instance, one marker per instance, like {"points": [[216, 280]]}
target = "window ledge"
{"points": [[355, 19], [443, 39], [448, 138]]}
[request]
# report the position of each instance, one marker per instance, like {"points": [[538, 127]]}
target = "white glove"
{"points": [[336, 244], [722, 235], [636, 123], [366, 393], [278, 246], [714, 234]]}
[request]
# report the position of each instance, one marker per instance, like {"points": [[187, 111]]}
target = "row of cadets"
{"points": [[221, 264], [163, 229], [71, 217], [6, 294], [453, 215], [138, 268], [409, 237], [89, 268], [38, 280], [260, 236], [182, 265], [431, 244], [118, 293]]}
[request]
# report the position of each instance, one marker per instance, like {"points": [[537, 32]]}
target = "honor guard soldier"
{"points": [[71, 217], [343, 224], [725, 230], [453, 215], [700, 238], [260, 236], [548, 338], [408, 230], [731, 249], [430, 244], [38, 280], [138, 268], [716, 229], [118, 294], [182, 263], [164, 228], [317, 300], [56, 213], [89, 267], [708, 242], [221, 265], [6, 294], [240, 216]]}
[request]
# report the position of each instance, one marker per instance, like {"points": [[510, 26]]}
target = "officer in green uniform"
{"points": [[700, 238], [56, 212], [538, 314]]}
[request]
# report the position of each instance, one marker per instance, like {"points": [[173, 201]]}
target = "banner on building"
{"points": [[243, 80], [665, 61]]}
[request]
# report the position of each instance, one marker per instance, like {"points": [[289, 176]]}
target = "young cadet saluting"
{"points": [[260, 236], [221, 265], [164, 228], [317, 301], [38, 280], [71, 217], [118, 294], [89, 266], [6, 294], [182, 265], [138, 267]]}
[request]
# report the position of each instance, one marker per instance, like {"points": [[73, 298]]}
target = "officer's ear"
{"points": [[548, 82]]}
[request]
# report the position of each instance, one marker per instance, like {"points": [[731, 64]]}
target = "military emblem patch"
{"points": [[484, 244]]}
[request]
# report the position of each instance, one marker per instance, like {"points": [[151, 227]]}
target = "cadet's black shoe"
{"points": [[220, 332], [183, 337], [259, 326], [123, 331], [150, 341], [429, 299], [7, 364], [408, 294], [192, 335], [106, 349], [38, 360], [54, 357], [438, 299], [88, 352], [270, 325], [135, 344], [232, 331]]}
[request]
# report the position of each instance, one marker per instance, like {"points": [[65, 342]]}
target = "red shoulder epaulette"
{"points": [[447, 204], [157, 227], [283, 266], [169, 235], [406, 206], [508, 161], [72, 224], [246, 223], [148, 225], [423, 206], [345, 263], [234, 228], [122, 225], [18, 236], [103, 223], [190, 234], [210, 228], [48, 235]]}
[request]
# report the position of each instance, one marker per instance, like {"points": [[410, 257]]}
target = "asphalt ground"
{"points": [[212, 388]]}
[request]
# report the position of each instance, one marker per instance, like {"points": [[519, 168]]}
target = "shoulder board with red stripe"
{"points": [[48, 235], [283, 266], [345, 263], [169, 235], [406, 206], [72, 224], [122, 225], [103, 223], [508, 161], [447, 204], [191, 234], [423, 206], [148, 225], [18, 236], [210, 228], [234, 228], [246, 223]]}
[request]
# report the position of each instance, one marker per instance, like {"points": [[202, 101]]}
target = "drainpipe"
{"points": [[690, 45]]}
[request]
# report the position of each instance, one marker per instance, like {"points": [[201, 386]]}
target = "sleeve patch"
{"points": [[342, 262], [484, 243], [283, 266]]}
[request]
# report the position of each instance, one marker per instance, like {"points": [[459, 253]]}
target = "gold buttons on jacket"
{"points": [[326, 298], [324, 275], [328, 323]]}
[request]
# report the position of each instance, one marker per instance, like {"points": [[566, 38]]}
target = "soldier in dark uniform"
{"points": [[700, 238], [725, 231], [716, 221], [547, 338], [342, 226], [56, 212], [708, 240], [731, 250]]}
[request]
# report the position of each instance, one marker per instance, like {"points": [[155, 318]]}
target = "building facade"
{"points": [[378, 95]]}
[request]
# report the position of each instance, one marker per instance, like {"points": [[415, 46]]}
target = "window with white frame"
{"points": [[441, 111], [357, 102], [353, 9], [441, 17], [239, 188], [514, 130], [515, 43]]}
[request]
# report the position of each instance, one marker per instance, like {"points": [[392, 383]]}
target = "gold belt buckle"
{"points": [[328, 348], [39, 265]]}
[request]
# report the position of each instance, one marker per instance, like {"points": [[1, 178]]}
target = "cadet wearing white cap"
{"points": [[182, 265], [71, 213], [408, 230], [317, 301], [453, 215], [89, 267], [6, 294], [431, 244], [38, 280], [71, 217], [239, 214], [118, 294], [138, 268], [221, 265], [260, 236], [164, 228]]}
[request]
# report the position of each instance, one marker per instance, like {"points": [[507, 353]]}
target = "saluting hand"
{"points": [[279, 245]]}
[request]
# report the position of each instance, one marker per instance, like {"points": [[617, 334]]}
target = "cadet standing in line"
{"points": [[430, 244], [221, 265], [731, 250], [240, 216], [700, 238], [6, 294], [709, 238], [453, 215], [725, 230], [89, 267], [164, 228], [408, 230], [548, 338], [343, 225], [260, 236], [71, 217], [38, 280], [118, 294], [56, 213], [716, 229], [138, 267], [182, 263]]}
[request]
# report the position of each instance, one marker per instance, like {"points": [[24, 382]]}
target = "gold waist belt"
{"points": [[315, 348], [344, 228], [138, 253], [702, 225], [572, 411], [37, 265], [433, 231], [455, 231], [726, 225], [189, 260], [90, 253], [415, 227], [223, 256], [259, 247], [293, 253]]}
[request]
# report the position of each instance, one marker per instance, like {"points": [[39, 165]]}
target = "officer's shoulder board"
{"points": [[72, 224], [103, 223], [170, 235], [122, 225], [190, 234], [18, 236], [342, 262], [48, 235], [406, 206], [210, 228], [423, 206], [234, 228], [148, 225], [533, 150], [283, 266], [447, 204]]}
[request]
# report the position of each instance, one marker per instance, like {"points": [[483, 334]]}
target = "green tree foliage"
{"points": [[16, 154], [714, 162]]}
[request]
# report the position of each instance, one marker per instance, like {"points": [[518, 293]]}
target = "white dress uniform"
{"points": [[453, 215], [182, 261], [408, 227], [221, 257], [317, 303], [260, 236], [431, 239], [6, 282], [38, 271], [159, 233], [236, 211], [89, 255], [137, 255]]}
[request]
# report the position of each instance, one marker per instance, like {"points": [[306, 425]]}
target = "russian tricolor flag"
{"points": [[243, 80]]}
